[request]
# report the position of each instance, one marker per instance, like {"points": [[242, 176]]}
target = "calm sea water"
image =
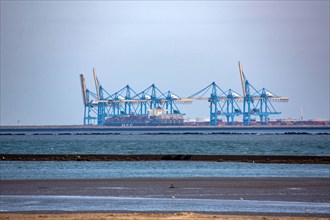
{"points": [[244, 142], [307, 142], [105, 203], [154, 169]]}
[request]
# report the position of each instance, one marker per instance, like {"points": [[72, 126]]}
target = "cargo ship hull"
{"points": [[128, 121], [130, 124]]}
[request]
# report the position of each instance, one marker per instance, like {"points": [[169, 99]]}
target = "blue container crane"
{"points": [[257, 103]]}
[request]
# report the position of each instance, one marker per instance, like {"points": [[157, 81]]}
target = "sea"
{"points": [[304, 142]]}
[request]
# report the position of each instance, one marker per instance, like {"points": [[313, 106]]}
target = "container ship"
{"points": [[155, 117]]}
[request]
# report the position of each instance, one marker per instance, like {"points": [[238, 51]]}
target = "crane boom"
{"points": [[97, 88], [242, 77], [84, 89]]}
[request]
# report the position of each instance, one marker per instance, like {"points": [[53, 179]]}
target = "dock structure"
{"points": [[101, 106]]}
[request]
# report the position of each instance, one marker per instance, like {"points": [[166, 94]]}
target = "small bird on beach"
{"points": [[172, 186]]}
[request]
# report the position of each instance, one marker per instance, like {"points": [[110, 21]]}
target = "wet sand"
{"points": [[315, 190], [263, 189]]}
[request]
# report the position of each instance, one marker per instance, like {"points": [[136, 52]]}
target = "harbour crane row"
{"points": [[152, 107]]}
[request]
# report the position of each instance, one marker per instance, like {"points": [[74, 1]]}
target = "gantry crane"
{"points": [[221, 103], [257, 102]]}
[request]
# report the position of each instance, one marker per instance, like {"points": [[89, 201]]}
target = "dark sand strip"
{"points": [[170, 157]]}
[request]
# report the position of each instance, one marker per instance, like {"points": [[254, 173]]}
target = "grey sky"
{"points": [[180, 46]]}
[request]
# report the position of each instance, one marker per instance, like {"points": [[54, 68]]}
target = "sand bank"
{"points": [[169, 157]]}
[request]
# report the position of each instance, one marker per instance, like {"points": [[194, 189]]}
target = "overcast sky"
{"points": [[180, 46]]}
